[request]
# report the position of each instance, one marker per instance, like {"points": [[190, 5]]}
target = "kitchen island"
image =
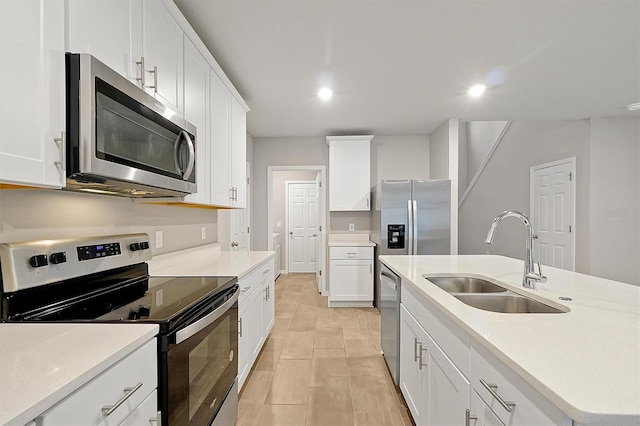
{"points": [[586, 361]]}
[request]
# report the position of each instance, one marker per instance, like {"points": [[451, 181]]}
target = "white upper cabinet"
{"points": [[221, 191], [105, 29], [196, 108], [349, 173], [162, 51], [238, 154], [32, 72], [229, 143]]}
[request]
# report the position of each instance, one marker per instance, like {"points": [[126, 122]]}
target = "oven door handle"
{"points": [[202, 323]]}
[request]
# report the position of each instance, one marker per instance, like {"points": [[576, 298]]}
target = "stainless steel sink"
{"points": [[507, 303], [465, 285]]}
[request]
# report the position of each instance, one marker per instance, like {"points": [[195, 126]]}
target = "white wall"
{"points": [[47, 214], [439, 152], [482, 136], [504, 185], [392, 157], [615, 199]]}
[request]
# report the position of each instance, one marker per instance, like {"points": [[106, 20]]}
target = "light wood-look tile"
{"points": [[290, 384], [329, 406], [320, 366]]}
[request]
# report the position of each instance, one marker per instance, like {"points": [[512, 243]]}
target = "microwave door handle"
{"points": [[201, 324], [192, 154]]}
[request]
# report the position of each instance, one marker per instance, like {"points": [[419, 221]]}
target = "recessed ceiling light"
{"points": [[477, 90], [325, 93], [634, 107]]}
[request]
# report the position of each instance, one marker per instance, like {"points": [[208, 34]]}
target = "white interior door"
{"points": [[302, 222], [553, 213], [240, 219], [318, 240]]}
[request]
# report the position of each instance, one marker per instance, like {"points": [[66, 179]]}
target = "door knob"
{"points": [[234, 244]]}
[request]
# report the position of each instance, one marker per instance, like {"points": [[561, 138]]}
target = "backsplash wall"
{"points": [[43, 214]]}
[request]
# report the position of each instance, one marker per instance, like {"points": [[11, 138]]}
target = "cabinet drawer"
{"points": [[146, 413], [530, 409], [84, 406], [351, 253], [262, 272], [245, 287]]}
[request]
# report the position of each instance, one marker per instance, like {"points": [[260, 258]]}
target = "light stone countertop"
{"points": [[207, 260], [586, 361], [44, 363], [350, 240]]}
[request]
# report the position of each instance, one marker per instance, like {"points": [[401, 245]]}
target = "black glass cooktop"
{"points": [[170, 297]]}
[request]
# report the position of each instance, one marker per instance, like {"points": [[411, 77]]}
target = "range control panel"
{"points": [[35, 263]]}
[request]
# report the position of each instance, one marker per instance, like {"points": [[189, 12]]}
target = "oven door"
{"points": [[202, 367]]}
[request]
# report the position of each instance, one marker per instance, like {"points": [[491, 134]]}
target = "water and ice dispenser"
{"points": [[395, 236]]}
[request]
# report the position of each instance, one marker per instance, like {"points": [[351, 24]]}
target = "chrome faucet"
{"points": [[530, 277]]}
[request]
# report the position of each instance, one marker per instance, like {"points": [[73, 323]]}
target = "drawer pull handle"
{"points": [[507, 405], [107, 410], [468, 417], [244, 290]]}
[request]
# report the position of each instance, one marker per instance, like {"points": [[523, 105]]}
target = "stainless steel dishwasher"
{"points": [[390, 320]]}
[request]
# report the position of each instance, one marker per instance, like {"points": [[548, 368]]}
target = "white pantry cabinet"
{"points": [[349, 173], [350, 276], [196, 111], [256, 315], [32, 72], [133, 379]]}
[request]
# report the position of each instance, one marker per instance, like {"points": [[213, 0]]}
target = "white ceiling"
{"points": [[402, 67]]}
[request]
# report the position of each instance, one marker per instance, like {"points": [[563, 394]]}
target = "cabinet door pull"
{"points": [[154, 71], [421, 363], [62, 147], [240, 326], [507, 405], [468, 417], [157, 419], [415, 349], [107, 410], [266, 294], [142, 71]]}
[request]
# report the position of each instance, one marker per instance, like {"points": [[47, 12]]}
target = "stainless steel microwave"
{"points": [[120, 140]]}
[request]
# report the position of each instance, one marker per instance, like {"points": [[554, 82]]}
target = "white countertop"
{"points": [[41, 364], [350, 240], [207, 260], [586, 361]]}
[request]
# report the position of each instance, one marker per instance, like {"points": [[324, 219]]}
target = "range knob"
{"points": [[134, 246], [144, 245], [59, 257], [38, 260]]}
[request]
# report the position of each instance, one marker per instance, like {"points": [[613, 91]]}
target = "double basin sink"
{"points": [[489, 296]]}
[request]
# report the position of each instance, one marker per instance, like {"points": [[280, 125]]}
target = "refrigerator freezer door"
{"points": [[433, 216], [394, 215]]}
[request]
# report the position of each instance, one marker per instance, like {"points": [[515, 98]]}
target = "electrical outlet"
{"points": [[159, 237], [352, 227], [203, 233]]}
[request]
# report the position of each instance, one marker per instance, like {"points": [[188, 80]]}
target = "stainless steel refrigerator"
{"points": [[410, 217]]}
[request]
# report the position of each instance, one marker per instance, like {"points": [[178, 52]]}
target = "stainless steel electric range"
{"points": [[105, 279]]}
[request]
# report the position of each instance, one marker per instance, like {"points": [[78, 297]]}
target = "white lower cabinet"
{"points": [[351, 276], [435, 391], [477, 389], [123, 390], [256, 315], [146, 413]]}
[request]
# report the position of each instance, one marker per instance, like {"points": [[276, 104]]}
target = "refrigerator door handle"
{"points": [[414, 226], [409, 227]]}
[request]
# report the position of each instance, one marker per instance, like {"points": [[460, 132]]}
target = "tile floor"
{"points": [[320, 366]]}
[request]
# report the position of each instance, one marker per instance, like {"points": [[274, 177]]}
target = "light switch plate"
{"points": [[203, 233], [159, 237], [352, 227], [278, 224]]}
